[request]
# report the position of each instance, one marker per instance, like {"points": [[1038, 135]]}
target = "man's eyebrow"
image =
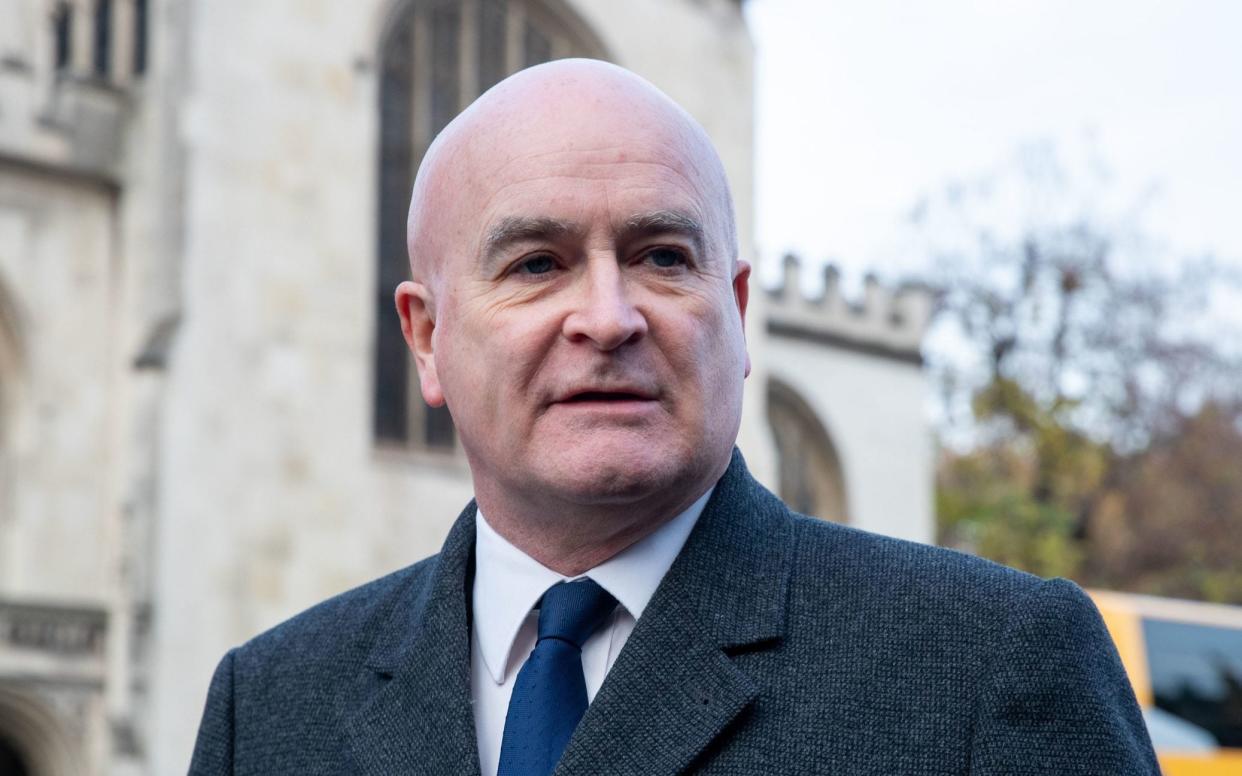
{"points": [[515, 229], [664, 222]]}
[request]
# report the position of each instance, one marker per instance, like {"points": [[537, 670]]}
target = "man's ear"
{"points": [[416, 307], [741, 293]]}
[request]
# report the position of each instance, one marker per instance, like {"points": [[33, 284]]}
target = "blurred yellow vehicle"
{"points": [[1185, 661]]}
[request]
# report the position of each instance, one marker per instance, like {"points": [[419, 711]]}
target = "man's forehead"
{"points": [[613, 187], [582, 126], [499, 162], [566, 127]]}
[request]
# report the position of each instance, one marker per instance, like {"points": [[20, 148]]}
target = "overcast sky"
{"points": [[865, 106]]}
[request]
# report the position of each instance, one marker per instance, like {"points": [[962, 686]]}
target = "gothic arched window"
{"points": [[809, 469], [436, 57]]}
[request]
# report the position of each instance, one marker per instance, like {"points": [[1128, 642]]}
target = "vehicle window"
{"points": [[1196, 675]]}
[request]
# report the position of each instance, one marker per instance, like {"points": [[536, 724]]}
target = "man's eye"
{"points": [[537, 265], [666, 258]]}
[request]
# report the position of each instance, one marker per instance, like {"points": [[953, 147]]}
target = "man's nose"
{"points": [[603, 312]]}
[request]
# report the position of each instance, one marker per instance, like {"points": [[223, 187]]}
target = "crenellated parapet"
{"points": [[887, 321]]}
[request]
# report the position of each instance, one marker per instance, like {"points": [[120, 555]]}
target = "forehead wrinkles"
{"points": [[615, 177]]}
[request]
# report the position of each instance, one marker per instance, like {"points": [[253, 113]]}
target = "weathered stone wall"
{"points": [[57, 268], [265, 498]]}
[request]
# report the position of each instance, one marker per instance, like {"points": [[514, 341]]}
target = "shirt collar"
{"points": [[508, 582]]}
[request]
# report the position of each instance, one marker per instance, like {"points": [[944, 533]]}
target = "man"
{"points": [[578, 302]]}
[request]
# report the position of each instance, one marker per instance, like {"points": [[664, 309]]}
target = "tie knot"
{"points": [[571, 611]]}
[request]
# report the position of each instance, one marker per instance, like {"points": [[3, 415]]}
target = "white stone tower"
{"points": [[846, 398]]}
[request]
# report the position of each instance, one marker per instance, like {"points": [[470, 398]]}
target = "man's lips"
{"points": [[605, 395]]}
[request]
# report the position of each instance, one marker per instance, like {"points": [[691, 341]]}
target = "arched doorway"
{"points": [[33, 738], [810, 477]]}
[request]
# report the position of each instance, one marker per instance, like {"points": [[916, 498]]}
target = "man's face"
{"points": [[588, 322]]}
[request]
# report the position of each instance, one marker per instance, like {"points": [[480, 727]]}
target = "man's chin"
{"points": [[605, 472]]}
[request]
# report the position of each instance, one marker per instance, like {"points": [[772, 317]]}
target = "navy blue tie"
{"points": [[549, 696]]}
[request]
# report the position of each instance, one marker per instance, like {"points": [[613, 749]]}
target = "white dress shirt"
{"points": [[507, 585]]}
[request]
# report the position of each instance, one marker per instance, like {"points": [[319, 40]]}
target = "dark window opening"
{"points": [[438, 433], [493, 18], [103, 37], [445, 54], [538, 47], [140, 37], [62, 27], [396, 173]]}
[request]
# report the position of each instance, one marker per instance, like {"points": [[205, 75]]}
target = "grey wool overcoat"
{"points": [[776, 644]]}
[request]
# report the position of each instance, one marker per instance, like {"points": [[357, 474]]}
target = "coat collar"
{"points": [[673, 683], [419, 719]]}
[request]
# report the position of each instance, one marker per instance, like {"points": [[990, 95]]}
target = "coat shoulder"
{"points": [[909, 560], [904, 582]]}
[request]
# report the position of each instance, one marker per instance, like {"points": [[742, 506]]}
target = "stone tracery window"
{"points": [[810, 476], [436, 57], [114, 48]]}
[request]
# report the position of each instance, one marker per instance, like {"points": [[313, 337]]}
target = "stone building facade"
{"points": [[206, 421]]}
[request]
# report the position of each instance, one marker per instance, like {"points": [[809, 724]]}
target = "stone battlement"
{"points": [[886, 321]]}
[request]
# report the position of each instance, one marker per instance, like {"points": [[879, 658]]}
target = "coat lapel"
{"points": [[674, 689], [419, 720]]}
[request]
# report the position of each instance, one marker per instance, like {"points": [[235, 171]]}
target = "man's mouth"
{"points": [[608, 395], [604, 396]]}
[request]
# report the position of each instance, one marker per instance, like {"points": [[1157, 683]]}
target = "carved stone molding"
{"points": [[59, 630], [52, 684]]}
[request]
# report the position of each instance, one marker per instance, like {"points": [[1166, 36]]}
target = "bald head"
{"points": [[535, 123]]}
